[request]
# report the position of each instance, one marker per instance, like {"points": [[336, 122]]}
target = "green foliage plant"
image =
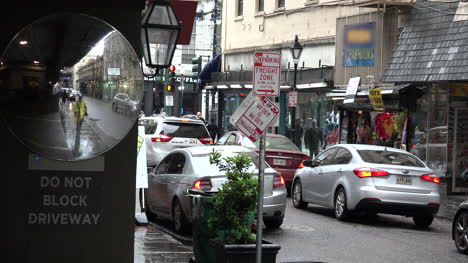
{"points": [[235, 203]]}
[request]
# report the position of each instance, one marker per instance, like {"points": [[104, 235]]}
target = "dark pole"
{"points": [[214, 16], [293, 111]]}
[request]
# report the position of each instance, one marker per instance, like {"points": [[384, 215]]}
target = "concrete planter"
{"points": [[245, 253]]}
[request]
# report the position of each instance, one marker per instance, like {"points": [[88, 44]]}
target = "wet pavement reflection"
{"points": [[154, 246]]}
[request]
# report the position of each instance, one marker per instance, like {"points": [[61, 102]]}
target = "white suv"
{"points": [[163, 134]]}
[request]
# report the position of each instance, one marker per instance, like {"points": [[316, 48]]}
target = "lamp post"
{"points": [[296, 50], [160, 30]]}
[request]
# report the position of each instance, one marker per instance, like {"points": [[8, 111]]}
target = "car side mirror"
{"points": [[308, 163]]}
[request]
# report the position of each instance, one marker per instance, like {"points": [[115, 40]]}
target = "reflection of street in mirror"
{"points": [[66, 109]]}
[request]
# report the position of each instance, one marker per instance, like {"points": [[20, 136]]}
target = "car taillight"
{"points": [[162, 138], [369, 172], [278, 181], [206, 140], [202, 185], [431, 178], [301, 164]]}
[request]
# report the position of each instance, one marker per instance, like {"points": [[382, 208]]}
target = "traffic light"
{"points": [[172, 78], [196, 68], [169, 87]]}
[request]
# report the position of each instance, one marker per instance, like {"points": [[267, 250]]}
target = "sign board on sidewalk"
{"points": [[113, 71], [254, 116], [267, 74], [141, 172], [375, 97], [292, 99], [169, 100], [351, 90]]}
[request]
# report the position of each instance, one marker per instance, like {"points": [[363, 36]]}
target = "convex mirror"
{"points": [[71, 86]]}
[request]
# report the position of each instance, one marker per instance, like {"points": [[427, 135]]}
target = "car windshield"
{"points": [[184, 130], [202, 162], [276, 143], [389, 157]]}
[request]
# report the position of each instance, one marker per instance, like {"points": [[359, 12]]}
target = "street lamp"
{"points": [[160, 30], [296, 50]]}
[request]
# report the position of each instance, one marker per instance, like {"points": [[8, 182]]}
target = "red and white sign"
{"points": [[254, 116], [267, 74], [292, 99]]}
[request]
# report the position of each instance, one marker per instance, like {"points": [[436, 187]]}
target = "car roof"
{"points": [[205, 150], [181, 120], [370, 147]]}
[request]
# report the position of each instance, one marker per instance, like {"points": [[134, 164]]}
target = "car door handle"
{"points": [[320, 173], [340, 171]]}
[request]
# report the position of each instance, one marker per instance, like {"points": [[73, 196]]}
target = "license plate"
{"points": [[404, 180], [279, 162]]}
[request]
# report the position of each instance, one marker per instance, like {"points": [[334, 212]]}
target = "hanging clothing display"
{"points": [[384, 125]]}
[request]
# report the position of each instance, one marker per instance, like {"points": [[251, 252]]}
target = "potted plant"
{"points": [[234, 208]]}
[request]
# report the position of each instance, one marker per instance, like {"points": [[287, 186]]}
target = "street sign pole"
{"points": [[261, 172]]}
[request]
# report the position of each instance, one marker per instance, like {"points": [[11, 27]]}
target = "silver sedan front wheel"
{"points": [[297, 195]]}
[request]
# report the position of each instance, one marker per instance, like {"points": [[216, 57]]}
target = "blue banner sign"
{"points": [[359, 44]]}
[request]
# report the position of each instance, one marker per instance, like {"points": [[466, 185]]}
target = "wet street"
{"points": [[314, 235]]}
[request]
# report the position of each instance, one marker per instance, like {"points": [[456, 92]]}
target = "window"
{"points": [[162, 167], [343, 156], [260, 6], [325, 158], [240, 7], [150, 125], [185, 130], [278, 143], [222, 140], [281, 3], [389, 157], [176, 164], [231, 140]]}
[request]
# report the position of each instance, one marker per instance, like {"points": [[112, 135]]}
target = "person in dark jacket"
{"points": [[213, 130], [313, 138]]}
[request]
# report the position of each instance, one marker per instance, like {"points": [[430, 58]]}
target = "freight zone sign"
{"points": [[254, 116], [266, 74]]}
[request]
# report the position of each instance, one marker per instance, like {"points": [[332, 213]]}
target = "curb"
{"points": [[188, 241]]}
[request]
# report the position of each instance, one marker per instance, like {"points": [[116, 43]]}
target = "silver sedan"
{"points": [[375, 179], [190, 168]]}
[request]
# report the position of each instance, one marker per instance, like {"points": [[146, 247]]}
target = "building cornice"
{"points": [[305, 43]]}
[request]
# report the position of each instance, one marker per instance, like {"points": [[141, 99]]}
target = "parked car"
{"points": [[164, 134], [374, 179], [280, 152], [122, 102], [190, 168], [74, 94], [460, 228]]}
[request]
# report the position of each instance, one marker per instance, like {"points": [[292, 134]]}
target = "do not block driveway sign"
{"points": [[254, 116], [267, 74]]}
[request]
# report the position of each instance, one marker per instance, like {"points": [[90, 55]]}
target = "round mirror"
{"points": [[71, 87]]}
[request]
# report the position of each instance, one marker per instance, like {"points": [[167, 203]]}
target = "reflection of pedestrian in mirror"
{"points": [[80, 111]]}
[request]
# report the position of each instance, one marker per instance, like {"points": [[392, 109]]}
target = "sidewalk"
{"points": [[155, 246]]}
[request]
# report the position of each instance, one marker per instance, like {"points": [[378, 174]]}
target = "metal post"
{"points": [[261, 172], [293, 111]]}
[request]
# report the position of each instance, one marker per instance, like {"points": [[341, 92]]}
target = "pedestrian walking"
{"points": [[313, 138], [213, 130], [80, 111], [199, 115]]}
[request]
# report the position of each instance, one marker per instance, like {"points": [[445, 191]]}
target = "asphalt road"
{"points": [[314, 234]]}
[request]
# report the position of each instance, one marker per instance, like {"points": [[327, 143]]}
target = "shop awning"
{"points": [[213, 65], [396, 98]]}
